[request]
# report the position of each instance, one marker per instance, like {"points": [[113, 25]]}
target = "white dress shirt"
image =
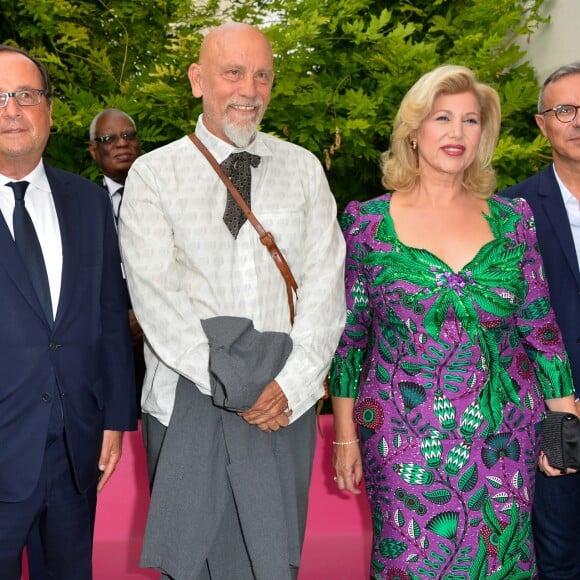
{"points": [[114, 193], [183, 265], [572, 205], [40, 206]]}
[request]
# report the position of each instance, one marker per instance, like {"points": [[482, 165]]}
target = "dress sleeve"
{"points": [[347, 364], [536, 321]]}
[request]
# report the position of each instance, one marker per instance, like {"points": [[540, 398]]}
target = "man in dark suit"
{"points": [[66, 392], [554, 196], [114, 145]]}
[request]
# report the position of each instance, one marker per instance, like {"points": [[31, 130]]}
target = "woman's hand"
{"points": [[545, 467], [346, 456], [348, 466], [566, 405]]}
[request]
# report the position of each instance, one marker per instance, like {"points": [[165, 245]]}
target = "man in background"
{"points": [[66, 393], [554, 196], [114, 145]]}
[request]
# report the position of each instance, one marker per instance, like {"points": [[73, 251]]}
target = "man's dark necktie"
{"points": [[31, 253], [119, 192], [238, 168], [29, 248]]}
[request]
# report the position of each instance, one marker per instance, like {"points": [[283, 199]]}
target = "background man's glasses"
{"points": [[110, 139], [564, 113], [25, 98]]}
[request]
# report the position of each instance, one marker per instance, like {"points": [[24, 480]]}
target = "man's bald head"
{"points": [[234, 78]]}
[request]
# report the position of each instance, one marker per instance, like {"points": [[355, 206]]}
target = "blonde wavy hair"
{"points": [[400, 164]]}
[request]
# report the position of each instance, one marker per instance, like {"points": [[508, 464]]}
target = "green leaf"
{"points": [[477, 500], [478, 570], [490, 516], [494, 481], [438, 496], [468, 479], [382, 374], [506, 540]]}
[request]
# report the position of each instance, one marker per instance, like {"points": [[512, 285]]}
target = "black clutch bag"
{"points": [[561, 439]]}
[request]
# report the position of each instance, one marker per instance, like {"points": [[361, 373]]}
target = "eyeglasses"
{"points": [[564, 113], [25, 98], [110, 139]]}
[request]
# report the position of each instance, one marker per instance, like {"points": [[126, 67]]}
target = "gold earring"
{"points": [[413, 145]]}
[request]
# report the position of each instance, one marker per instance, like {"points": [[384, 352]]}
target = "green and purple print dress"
{"points": [[449, 371]]}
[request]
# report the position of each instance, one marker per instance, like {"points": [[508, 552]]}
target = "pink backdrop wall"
{"points": [[338, 536]]}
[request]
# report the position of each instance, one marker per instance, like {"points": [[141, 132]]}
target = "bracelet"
{"points": [[345, 442]]}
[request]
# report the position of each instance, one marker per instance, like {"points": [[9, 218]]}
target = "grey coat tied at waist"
{"points": [[211, 457]]}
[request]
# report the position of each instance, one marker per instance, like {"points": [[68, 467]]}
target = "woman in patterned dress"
{"points": [[450, 352]]}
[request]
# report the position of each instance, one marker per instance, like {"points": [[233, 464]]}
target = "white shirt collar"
{"points": [[112, 185], [570, 200], [37, 178]]}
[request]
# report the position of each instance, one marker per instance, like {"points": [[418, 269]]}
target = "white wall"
{"points": [[557, 42]]}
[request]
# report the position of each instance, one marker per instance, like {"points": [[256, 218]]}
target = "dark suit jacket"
{"points": [[87, 353], [560, 261]]}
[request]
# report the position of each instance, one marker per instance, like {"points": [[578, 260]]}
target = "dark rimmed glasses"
{"points": [[110, 139], [25, 97], [564, 113]]}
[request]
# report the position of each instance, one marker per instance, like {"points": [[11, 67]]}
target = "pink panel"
{"points": [[338, 534]]}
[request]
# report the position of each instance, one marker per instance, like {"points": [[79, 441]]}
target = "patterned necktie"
{"points": [[29, 248], [238, 168]]}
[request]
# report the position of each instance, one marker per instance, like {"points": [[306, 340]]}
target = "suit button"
{"points": [[54, 345], [46, 397]]}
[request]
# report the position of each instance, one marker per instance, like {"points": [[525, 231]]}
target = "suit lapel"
{"points": [[553, 205], [65, 204]]}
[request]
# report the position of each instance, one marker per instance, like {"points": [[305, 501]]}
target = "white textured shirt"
{"points": [[39, 203], [183, 265]]}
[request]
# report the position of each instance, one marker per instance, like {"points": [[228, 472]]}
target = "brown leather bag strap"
{"points": [[266, 238]]}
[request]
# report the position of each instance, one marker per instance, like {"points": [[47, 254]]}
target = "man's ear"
{"points": [[92, 150], [541, 122], [194, 75]]}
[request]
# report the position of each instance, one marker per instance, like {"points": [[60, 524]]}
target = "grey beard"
{"points": [[240, 136]]}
